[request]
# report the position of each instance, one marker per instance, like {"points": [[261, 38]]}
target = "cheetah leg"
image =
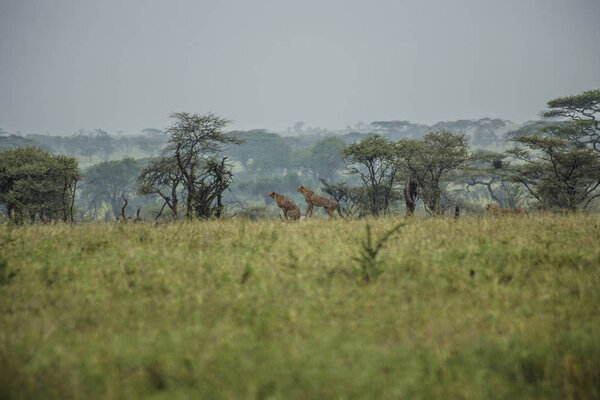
{"points": [[309, 210], [330, 212]]}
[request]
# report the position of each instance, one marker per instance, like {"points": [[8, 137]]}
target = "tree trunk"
{"points": [[72, 205], [410, 196], [174, 209], [191, 194], [219, 206]]}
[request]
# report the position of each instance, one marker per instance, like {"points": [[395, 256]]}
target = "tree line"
{"points": [[554, 165]]}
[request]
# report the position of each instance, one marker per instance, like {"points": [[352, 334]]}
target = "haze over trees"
{"points": [[491, 171], [201, 170], [108, 182], [325, 158]]}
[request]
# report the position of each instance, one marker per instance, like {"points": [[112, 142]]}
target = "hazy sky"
{"points": [[126, 65]]}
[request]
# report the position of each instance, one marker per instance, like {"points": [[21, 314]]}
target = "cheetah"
{"points": [[289, 208], [313, 199]]}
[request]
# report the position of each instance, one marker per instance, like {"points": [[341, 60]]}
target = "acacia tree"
{"points": [[488, 170], [162, 177], [214, 179], [373, 159], [431, 162], [557, 174], [194, 142], [580, 116], [559, 163], [491, 171]]}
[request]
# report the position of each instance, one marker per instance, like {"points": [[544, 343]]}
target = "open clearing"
{"points": [[474, 308]]}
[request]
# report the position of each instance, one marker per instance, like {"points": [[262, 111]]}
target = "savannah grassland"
{"points": [[475, 308]]}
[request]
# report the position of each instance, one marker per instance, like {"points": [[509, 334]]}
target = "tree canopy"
{"points": [[430, 162], [581, 118], [108, 181], [162, 177], [373, 160], [195, 142], [36, 185], [559, 164], [557, 174]]}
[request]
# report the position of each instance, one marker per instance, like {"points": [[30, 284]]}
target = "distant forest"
{"points": [[263, 162], [94, 145], [367, 168]]}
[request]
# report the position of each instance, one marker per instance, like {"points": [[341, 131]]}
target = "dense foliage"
{"points": [[432, 162], [107, 183], [36, 185], [374, 160], [190, 160], [559, 176], [581, 117], [465, 163], [560, 161]]}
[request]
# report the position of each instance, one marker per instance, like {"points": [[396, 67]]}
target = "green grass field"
{"points": [[474, 308]]}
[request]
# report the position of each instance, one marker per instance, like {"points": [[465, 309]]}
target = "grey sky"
{"points": [[126, 65]]}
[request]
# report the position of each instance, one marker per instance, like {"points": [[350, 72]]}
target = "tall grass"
{"points": [[472, 308]]}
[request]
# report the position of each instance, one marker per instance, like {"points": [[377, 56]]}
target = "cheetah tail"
{"points": [[339, 210]]}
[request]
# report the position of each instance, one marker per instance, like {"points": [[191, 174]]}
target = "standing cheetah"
{"points": [[313, 199], [289, 208]]}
